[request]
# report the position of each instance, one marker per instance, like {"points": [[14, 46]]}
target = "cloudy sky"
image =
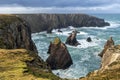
{"points": [[59, 6]]}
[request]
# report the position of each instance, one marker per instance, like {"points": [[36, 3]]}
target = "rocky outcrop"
{"points": [[107, 45], [15, 33], [89, 39], [110, 66], [45, 22], [17, 63], [71, 40], [59, 56]]}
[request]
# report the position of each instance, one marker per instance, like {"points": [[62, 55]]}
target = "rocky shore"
{"points": [[19, 57], [47, 22], [110, 64], [18, 54]]}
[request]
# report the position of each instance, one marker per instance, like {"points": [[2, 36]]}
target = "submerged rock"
{"points": [[89, 39], [107, 45], [59, 56], [71, 40]]}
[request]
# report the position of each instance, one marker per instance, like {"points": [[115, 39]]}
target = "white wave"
{"points": [[67, 32], [112, 25], [50, 35], [85, 44], [71, 27], [72, 72]]}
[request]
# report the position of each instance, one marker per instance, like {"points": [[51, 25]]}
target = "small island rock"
{"points": [[59, 56]]}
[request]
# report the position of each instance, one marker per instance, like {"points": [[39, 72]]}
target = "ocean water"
{"points": [[85, 56]]}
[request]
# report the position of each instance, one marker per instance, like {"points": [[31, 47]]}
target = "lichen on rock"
{"points": [[59, 56]]}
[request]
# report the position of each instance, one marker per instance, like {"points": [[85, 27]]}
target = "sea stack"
{"points": [[89, 39], [71, 40], [59, 56]]}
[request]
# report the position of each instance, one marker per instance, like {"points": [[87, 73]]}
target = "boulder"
{"points": [[107, 45], [59, 56], [89, 39], [71, 40]]}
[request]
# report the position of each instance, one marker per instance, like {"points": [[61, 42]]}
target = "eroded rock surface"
{"points": [[71, 40], [107, 45], [59, 56], [110, 65]]}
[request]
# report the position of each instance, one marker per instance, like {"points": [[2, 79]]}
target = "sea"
{"points": [[85, 56]]}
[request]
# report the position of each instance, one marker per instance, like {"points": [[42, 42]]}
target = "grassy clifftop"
{"points": [[14, 66]]}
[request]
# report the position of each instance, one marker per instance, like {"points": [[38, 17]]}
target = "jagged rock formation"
{"points": [[59, 56], [107, 45], [110, 66], [71, 40], [15, 33], [14, 64], [42, 22]]}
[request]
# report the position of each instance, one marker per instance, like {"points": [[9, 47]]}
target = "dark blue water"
{"points": [[85, 56]]}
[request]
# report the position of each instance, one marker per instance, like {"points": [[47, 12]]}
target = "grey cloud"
{"points": [[58, 3]]}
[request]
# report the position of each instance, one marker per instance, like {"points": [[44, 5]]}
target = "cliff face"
{"points": [[20, 63], [41, 22], [110, 66], [15, 33]]}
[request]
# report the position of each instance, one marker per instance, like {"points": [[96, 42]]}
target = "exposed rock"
{"points": [[89, 39], [71, 40], [107, 45], [15, 33], [49, 30], [59, 56], [110, 66], [59, 31], [43, 22]]}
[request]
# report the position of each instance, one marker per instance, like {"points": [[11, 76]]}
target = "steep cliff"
{"points": [[41, 22], [23, 62], [110, 66], [15, 33]]}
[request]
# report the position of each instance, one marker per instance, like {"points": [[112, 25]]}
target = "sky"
{"points": [[59, 6]]}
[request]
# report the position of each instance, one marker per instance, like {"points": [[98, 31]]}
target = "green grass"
{"points": [[13, 66]]}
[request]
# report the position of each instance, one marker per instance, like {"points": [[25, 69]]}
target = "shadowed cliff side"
{"points": [[110, 66], [42, 22], [23, 62], [15, 33]]}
